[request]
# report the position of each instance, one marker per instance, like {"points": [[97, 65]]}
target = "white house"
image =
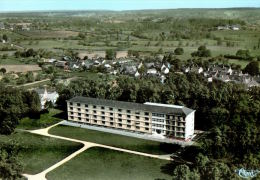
{"points": [[137, 74], [46, 96], [165, 69], [152, 71]]}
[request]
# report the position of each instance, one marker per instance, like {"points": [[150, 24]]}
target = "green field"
{"points": [[104, 164], [120, 141], [38, 152], [45, 120]]}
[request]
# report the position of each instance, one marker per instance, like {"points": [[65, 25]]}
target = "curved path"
{"points": [[87, 145]]}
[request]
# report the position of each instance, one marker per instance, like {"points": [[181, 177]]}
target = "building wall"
{"points": [[130, 120], [189, 131], [158, 124]]}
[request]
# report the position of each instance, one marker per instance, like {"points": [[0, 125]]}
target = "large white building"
{"points": [[155, 119], [47, 96]]}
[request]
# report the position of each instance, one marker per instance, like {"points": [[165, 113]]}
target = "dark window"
{"points": [[137, 112], [128, 121], [71, 108], [86, 110], [111, 114], [128, 111], [103, 122], [78, 104], [78, 109], [94, 111], [147, 119], [120, 115], [120, 110], [87, 120], [102, 107], [111, 119], [71, 113], [86, 105], [94, 107], [79, 118], [119, 120], [137, 117], [102, 112], [128, 116], [79, 114], [95, 116], [146, 113], [137, 127], [95, 121], [71, 103], [71, 117], [120, 125], [128, 126], [147, 124], [111, 109], [111, 124], [103, 117], [87, 115], [147, 129]]}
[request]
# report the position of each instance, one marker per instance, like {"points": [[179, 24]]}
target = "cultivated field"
{"points": [[20, 68]]}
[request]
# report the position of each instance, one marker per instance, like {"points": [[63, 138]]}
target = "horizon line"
{"points": [[72, 10]]}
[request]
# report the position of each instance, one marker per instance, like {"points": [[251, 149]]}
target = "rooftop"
{"points": [[151, 107]]}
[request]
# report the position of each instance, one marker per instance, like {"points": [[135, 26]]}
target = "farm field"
{"points": [[20, 68], [104, 164], [115, 140], [38, 152]]}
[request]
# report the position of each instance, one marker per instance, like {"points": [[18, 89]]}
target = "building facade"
{"points": [[160, 120]]}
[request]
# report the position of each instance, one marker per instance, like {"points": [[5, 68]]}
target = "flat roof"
{"points": [[150, 107]]}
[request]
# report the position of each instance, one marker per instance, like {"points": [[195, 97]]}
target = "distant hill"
{"points": [[251, 15]]}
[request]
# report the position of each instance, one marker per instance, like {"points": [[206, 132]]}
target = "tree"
{"points": [[179, 51], [252, 68], [110, 54], [202, 52], [183, 172], [10, 167], [5, 37], [3, 70], [243, 54], [30, 77]]}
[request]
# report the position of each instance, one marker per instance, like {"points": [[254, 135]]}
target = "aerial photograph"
{"points": [[129, 89]]}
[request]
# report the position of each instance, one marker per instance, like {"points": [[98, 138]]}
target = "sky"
{"points": [[34, 5]]}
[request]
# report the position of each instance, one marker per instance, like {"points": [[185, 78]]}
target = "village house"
{"points": [[47, 96]]}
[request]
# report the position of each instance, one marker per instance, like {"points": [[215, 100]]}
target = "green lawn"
{"points": [[125, 142], [45, 120], [105, 164], [39, 152]]}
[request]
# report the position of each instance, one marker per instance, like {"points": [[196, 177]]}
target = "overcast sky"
{"points": [[32, 5]]}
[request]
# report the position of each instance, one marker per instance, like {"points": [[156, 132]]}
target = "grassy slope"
{"points": [[45, 120], [104, 164], [125, 142], [39, 152]]}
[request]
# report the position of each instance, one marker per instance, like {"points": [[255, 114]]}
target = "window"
{"points": [[94, 107], [147, 124], [137, 117], [120, 125], [147, 129], [87, 120], [79, 118], [103, 117], [71, 108], [137, 112], [128, 126], [78, 109], [94, 111], [128, 111], [95, 121], [137, 127], [146, 113], [71, 103], [86, 105], [102, 112], [111, 109], [87, 115], [86, 110], [137, 123], [102, 107], [147, 119], [111, 124], [78, 104], [111, 119], [158, 115], [128, 121], [95, 116], [119, 120], [111, 114], [71, 113], [128, 116], [103, 122], [79, 114], [71, 117], [119, 115], [120, 110]]}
